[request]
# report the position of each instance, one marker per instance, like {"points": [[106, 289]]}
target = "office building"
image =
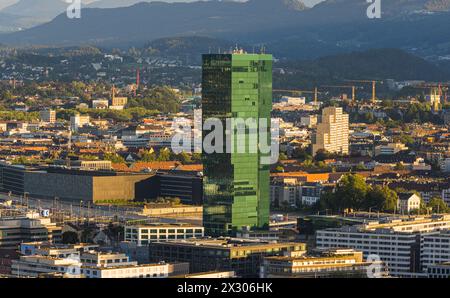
{"points": [[225, 254], [434, 249], [439, 271], [144, 234], [57, 250], [236, 185], [397, 242], [93, 265], [75, 185], [330, 263], [26, 228], [332, 133]]}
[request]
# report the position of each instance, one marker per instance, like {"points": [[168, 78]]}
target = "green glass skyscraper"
{"points": [[236, 185]]}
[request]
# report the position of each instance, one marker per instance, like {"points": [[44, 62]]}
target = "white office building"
{"points": [[396, 242], [434, 249], [144, 234]]}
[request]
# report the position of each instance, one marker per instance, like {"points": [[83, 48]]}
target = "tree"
{"points": [[279, 169], [399, 166], [321, 155], [114, 158], [164, 155], [147, 156], [70, 237], [381, 198], [438, 205], [283, 156], [184, 158], [351, 191]]}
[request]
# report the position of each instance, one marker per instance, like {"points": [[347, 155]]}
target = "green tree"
{"points": [[114, 158], [381, 198], [351, 191], [70, 237], [164, 155], [147, 156], [438, 205]]}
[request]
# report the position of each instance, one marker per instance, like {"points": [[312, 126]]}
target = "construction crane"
{"points": [[374, 87], [353, 87], [299, 92]]}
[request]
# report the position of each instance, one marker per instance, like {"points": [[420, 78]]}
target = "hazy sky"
{"points": [[4, 3]]}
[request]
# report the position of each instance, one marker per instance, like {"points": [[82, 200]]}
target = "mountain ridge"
{"points": [[287, 28]]}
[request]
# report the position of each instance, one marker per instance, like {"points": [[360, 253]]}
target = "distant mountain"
{"points": [[147, 21], [369, 65], [188, 48], [37, 8], [114, 3], [6, 3], [12, 23], [125, 3], [286, 27]]}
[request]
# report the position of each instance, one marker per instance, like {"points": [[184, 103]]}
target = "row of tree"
{"points": [[352, 192]]}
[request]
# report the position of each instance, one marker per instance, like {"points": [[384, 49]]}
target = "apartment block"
{"points": [[332, 132]]}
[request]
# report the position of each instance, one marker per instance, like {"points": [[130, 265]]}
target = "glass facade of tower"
{"points": [[236, 185]]}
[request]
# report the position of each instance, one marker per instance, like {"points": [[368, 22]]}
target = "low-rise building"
{"points": [[328, 263], [25, 228], [389, 149], [159, 232], [225, 254]]}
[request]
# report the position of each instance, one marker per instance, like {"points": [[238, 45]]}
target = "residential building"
{"points": [[391, 148], [332, 134], [445, 165], [78, 121], [309, 121], [236, 185], [48, 116], [285, 192], [311, 193], [408, 202], [100, 104]]}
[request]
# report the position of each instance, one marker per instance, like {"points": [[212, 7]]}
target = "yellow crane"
{"points": [[374, 87], [299, 92]]}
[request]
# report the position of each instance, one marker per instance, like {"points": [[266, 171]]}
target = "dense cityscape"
{"points": [[123, 163]]}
